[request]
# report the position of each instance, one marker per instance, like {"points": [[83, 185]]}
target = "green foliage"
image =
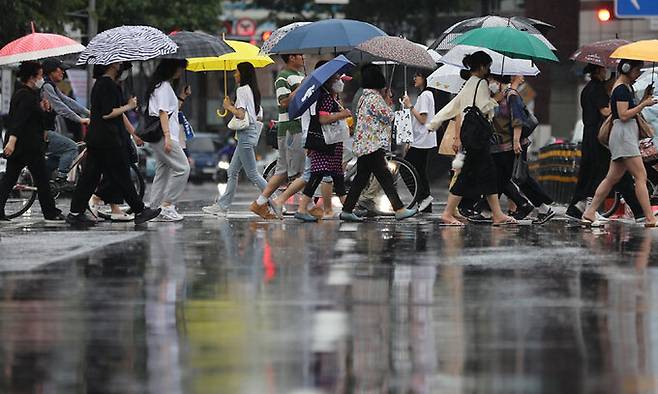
{"points": [[47, 16]]}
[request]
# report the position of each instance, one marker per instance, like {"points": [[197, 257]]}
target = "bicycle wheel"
{"points": [[138, 180], [612, 207], [22, 196], [269, 170]]}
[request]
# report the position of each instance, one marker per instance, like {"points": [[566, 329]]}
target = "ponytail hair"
{"points": [[475, 60]]}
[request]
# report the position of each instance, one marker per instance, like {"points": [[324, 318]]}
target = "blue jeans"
{"points": [[63, 149], [243, 157]]}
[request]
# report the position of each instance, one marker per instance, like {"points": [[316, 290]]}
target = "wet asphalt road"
{"points": [[248, 306]]}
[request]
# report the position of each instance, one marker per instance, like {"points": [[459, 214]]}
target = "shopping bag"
{"points": [[335, 132], [403, 129], [520, 170]]}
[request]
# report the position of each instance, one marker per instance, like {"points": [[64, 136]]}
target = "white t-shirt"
{"points": [[164, 99], [245, 100], [422, 137]]}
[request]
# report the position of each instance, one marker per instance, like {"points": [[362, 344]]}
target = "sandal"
{"points": [[591, 223], [507, 222], [455, 223]]}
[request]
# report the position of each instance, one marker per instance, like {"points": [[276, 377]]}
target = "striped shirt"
{"points": [[287, 81]]}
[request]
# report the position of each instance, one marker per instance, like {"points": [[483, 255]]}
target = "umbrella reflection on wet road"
{"points": [[246, 306]]}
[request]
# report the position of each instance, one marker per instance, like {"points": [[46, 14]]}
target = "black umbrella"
{"points": [[197, 44]]}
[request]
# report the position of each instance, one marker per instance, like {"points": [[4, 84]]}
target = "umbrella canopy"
{"points": [[198, 44], [647, 78], [309, 90], [509, 42], [646, 50], [598, 53], [394, 49], [326, 36], [277, 35], [502, 65], [532, 26], [446, 78], [37, 46], [436, 56], [243, 52], [127, 44]]}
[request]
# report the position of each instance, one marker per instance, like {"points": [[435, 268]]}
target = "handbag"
{"points": [[644, 128], [335, 132], [315, 137], [445, 148], [520, 170], [476, 130], [238, 124], [648, 150], [149, 128], [403, 127], [604, 131]]}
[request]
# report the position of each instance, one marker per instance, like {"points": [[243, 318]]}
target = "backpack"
{"points": [[476, 131]]}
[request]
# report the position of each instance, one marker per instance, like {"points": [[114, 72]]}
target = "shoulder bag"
{"points": [[337, 131], [604, 131], [476, 130], [149, 128], [529, 121], [238, 124]]}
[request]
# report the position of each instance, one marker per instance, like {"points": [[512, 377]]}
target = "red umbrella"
{"points": [[36, 46], [598, 53]]}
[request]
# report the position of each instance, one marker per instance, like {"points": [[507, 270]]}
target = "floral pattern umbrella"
{"points": [[598, 53], [394, 49]]}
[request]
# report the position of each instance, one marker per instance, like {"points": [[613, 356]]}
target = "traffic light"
{"points": [[605, 12], [266, 35]]}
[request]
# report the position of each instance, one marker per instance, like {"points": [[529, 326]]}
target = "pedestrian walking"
{"points": [[172, 168], [25, 140], [325, 163], [624, 147], [595, 159], [372, 137], [424, 142], [247, 104], [61, 148], [106, 153], [477, 177], [509, 118]]}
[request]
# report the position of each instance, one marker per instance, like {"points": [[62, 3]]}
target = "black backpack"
{"points": [[476, 131]]}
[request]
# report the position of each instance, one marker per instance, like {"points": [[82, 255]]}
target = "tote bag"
{"points": [[403, 129]]}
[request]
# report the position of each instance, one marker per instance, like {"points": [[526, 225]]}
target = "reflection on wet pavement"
{"points": [[245, 306]]}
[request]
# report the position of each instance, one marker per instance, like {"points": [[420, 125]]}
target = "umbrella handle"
{"points": [[221, 114]]}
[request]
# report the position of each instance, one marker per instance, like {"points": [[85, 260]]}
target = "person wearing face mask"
{"points": [[624, 148], [60, 147], [330, 163], [25, 140], [106, 153], [247, 104], [595, 159], [477, 176], [172, 168]]}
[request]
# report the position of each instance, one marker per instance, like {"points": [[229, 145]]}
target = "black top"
{"points": [[106, 95], [621, 94], [26, 121], [592, 99]]}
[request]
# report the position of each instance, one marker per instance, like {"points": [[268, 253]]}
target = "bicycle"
{"points": [[24, 192], [614, 201]]}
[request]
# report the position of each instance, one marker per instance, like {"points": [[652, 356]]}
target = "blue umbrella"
{"points": [[309, 90], [326, 36]]}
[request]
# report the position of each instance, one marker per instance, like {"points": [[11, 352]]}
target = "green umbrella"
{"points": [[509, 42]]}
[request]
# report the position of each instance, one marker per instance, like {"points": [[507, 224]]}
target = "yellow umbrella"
{"points": [[646, 50], [244, 52]]}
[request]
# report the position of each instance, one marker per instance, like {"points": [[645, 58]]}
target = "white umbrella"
{"points": [[502, 65], [278, 34], [647, 78], [446, 78]]}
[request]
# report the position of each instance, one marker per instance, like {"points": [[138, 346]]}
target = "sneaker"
{"points": [[574, 213], [215, 210], [60, 184], [121, 217], [306, 217], [57, 218], [169, 214], [316, 212], [405, 213], [523, 211], [544, 217], [262, 211], [426, 203], [350, 217], [479, 219], [146, 215], [80, 219]]}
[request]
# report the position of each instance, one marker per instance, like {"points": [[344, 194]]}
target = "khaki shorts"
{"points": [[291, 155]]}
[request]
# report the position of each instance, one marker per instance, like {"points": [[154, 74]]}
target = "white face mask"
{"points": [[338, 86], [608, 74], [494, 87], [39, 83]]}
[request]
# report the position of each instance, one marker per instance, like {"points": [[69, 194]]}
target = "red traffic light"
{"points": [[604, 15], [266, 35]]}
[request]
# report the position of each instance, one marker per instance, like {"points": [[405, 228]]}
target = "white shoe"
{"points": [[121, 217], [93, 208], [215, 210], [600, 218], [169, 214], [425, 203]]}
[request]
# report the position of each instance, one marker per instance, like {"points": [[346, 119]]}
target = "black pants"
{"points": [[373, 163], [36, 163], [316, 178], [418, 157], [504, 167], [109, 193], [113, 165]]}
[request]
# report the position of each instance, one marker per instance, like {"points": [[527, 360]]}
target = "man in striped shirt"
{"points": [[291, 159]]}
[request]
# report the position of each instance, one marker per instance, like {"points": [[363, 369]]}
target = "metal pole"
{"points": [[92, 30]]}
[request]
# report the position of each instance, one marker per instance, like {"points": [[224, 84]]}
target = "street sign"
{"points": [[636, 8]]}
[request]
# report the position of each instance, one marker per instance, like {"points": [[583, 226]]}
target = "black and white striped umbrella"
{"points": [[446, 40], [126, 44]]}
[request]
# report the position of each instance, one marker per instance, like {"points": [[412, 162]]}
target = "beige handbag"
{"points": [[448, 137]]}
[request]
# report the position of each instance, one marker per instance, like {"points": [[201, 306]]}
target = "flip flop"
{"points": [[588, 223], [452, 224], [508, 222]]}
